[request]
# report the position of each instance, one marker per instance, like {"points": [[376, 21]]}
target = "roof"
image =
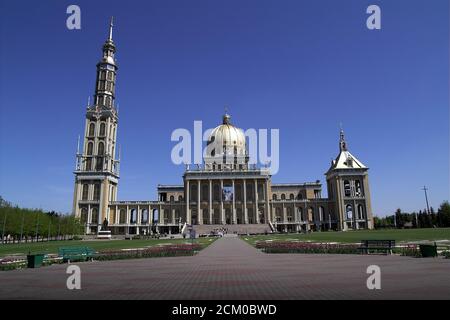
{"points": [[345, 160]]}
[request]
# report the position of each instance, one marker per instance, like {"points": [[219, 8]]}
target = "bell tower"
{"points": [[348, 190], [97, 166]]}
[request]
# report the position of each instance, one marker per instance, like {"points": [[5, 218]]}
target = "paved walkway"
{"points": [[231, 269]]}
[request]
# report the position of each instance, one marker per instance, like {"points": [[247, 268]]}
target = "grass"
{"points": [[400, 235], [98, 245]]}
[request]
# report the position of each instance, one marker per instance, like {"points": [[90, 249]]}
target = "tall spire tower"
{"points": [[97, 166]]}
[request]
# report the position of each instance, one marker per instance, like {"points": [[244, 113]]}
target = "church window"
{"points": [[96, 192], [349, 211], [360, 212], [122, 216], [347, 188], [144, 216], [84, 216], [216, 193], [94, 218], [102, 129], [358, 190], [204, 193], [90, 148], [85, 192], [88, 164], [101, 148], [133, 216], [92, 129]]}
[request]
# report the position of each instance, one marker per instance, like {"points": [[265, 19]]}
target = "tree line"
{"points": [[30, 225], [421, 219]]}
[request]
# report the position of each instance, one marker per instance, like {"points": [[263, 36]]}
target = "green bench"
{"points": [[69, 254], [377, 245]]}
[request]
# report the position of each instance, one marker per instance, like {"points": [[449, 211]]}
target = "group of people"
{"points": [[219, 231]]}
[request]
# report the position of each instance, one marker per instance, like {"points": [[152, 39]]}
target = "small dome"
{"points": [[226, 139]]}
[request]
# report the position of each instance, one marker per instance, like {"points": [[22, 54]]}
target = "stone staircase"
{"points": [[233, 228]]}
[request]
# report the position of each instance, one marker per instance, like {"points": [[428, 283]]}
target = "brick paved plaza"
{"points": [[231, 269]]}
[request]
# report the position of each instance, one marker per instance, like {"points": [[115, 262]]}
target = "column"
{"points": [[199, 210], [222, 214], [245, 202], [173, 216], [188, 211], [210, 203], [233, 209], [256, 202], [284, 213], [267, 211], [117, 215]]}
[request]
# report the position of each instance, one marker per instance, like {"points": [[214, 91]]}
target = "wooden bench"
{"points": [[377, 245], [69, 254]]}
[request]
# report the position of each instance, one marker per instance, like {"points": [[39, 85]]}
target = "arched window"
{"points": [[90, 148], [299, 196], [84, 216], [347, 188], [92, 129], [283, 196], [180, 198], [358, 189], [144, 216], [133, 216], [122, 216], [101, 149], [349, 211], [85, 192], [96, 192], [88, 164], [102, 129], [291, 196], [171, 199], [360, 212], [274, 196], [94, 218]]}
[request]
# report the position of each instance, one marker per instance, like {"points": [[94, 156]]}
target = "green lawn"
{"points": [[52, 246], [409, 235]]}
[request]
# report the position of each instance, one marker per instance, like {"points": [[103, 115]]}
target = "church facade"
{"points": [[223, 192]]}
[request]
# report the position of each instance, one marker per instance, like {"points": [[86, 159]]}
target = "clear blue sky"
{"points": [[300, 66]]}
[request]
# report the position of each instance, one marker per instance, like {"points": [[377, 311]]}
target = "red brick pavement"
{"points": [[231, 269]]}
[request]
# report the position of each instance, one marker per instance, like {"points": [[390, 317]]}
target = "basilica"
{"points": [[217, 194]]}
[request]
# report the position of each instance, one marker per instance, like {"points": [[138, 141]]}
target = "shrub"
{"points": [[306, 247], [159, 251], [446, 254]]}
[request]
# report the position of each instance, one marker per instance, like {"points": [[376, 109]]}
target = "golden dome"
{"points": [[226, 139]]}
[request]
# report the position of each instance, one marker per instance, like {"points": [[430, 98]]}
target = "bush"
{"points": [[306, 247], [446, 254], [160, 251], [411, 250]]}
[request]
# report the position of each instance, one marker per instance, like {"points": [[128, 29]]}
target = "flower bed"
{"points": [[157, 251], [305, 247]]}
